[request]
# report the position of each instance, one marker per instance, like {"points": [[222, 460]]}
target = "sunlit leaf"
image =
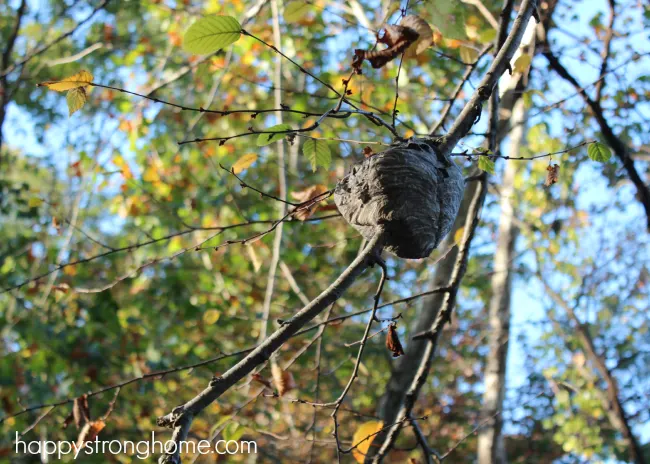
{"points": [[296, 10], [76, 99], [34, 202], [458, 236], [468, 54], [522, 63], [486, 164], [362, 438], [283, 380], [599, 152], [81, 79], [211, 316], [244, 162], [318, 153], [265, 139], [212, 33]]}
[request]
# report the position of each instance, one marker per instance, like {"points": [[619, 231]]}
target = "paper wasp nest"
{"points": [[411, 192]]}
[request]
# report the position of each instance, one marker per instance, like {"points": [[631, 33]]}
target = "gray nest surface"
{"points": [[411, 193]]}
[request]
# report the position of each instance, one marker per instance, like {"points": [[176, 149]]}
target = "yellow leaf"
{"points": [[76, 99], [81, 79], [244, 162], [467, 54], [521, 64], [458, 236], [211, 316], [150, 175], [363, 437], [34, 202]]}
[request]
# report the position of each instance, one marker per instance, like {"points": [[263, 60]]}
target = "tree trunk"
{"points": [[490, 440]]}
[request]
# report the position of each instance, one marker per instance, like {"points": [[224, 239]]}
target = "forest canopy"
{"points": [[325, 231]]}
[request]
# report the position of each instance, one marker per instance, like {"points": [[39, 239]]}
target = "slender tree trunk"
{"points": [[490, 440]]}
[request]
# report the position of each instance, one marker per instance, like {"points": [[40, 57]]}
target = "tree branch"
{"points": [[620, 148], [472, 110], [180, 419]]}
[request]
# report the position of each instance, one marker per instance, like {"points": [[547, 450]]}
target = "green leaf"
{"points": [[448, 16], [76, 99], [265, 139], [318, 152], [486, 164], [210, 34], [599, 152], [296, 10]]}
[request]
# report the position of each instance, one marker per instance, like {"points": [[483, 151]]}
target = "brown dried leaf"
{"points": [[258, 378], [89, 431], [305, 195], [56, 224], [68, 420], [81, 411], [425, 34], [283, 380], [552, 174], [393, 343], [398, 39]]}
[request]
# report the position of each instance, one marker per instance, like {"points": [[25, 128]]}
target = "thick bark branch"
{"points": [[403, 390], [180, 419], [472, 110]]}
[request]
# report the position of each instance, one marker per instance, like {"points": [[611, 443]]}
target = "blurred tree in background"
{"points": [[134, 268]]}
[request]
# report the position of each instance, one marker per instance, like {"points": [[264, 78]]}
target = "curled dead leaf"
{"points": [[398, 38], [283, 380], [552, 174], [259, 379], [425, 35], [393, 343], [90, 431], [304, 212], [81, 411]]}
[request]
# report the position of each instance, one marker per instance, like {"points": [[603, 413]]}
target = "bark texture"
{"points": [[490, 440]]}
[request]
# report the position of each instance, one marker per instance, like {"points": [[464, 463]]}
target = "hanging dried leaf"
{"points": [[81, 411], [306, 195], [258, 378], [68, 420], [398, 39], [283, 380], [89, 432], [425, 35], [552, 174], [393, 343]]}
